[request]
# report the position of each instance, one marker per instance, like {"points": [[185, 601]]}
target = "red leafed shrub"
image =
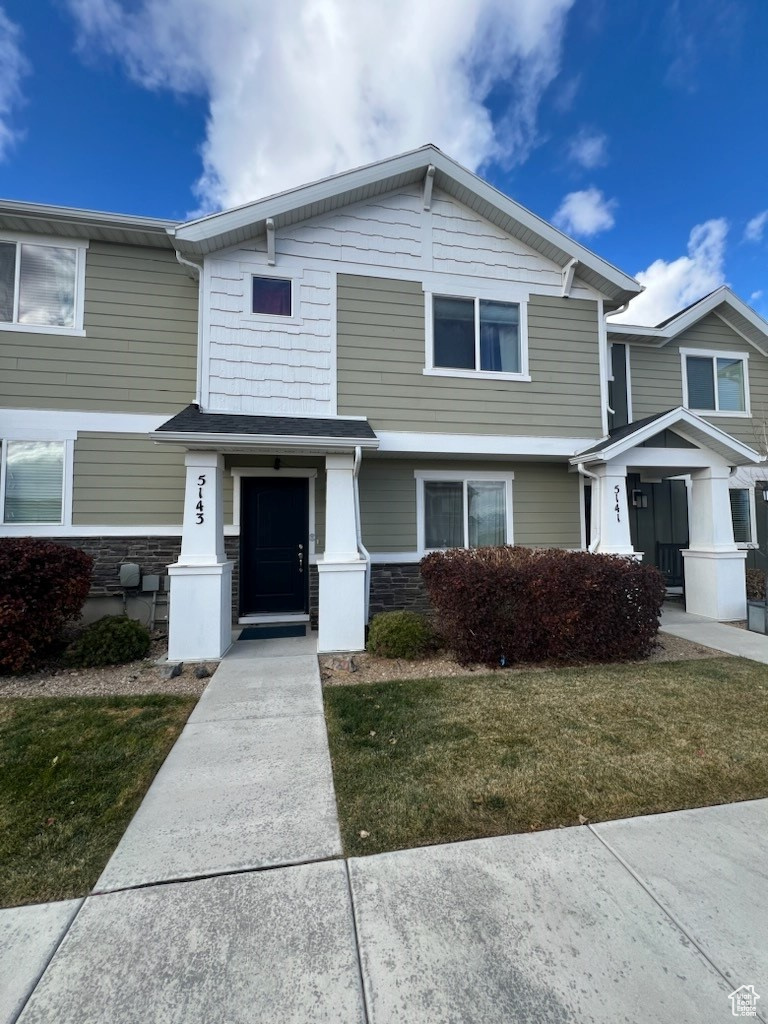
{"points": [[508, 604], [42, 586]]}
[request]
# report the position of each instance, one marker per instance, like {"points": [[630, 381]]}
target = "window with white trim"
{"points": [[716, 382], [741, 515], [33, 482], [40, 285], [463, 510], [272, 296], [475, 335]]}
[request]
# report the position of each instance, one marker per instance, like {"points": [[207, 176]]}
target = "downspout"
{"points": [[198, 269], [359, 531], [595, 495]]}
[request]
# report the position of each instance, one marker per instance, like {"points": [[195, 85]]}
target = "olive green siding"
{"points": [[140, 346], [545, 502], [381, 349], [657, 376], [126, 480]]}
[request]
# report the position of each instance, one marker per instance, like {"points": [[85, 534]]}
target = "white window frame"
{"points": [[68, 473], [512, 296], [463, 476], [752, 542], [238, 472], [249, 271], [711, 354], [81, 247]]}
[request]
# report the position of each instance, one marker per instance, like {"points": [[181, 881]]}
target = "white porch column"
{"points": [[610, 512], [714, 567], [341, 571], [200, 618]]}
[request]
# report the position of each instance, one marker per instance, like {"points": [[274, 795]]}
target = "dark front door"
{"points": [[658, 523], [274, 536]]}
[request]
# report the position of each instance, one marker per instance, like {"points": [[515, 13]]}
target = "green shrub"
{"points": [[756, 584], [112, 640], [43, 586], [507, 604], [401, 635]]}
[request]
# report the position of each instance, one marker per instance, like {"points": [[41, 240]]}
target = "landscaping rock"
{"points": [[202, 672], [170, 671], [344, 664]]}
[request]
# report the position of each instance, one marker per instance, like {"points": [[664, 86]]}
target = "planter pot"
{"points": [[757, 616]]}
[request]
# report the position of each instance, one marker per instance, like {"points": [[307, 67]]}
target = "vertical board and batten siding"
{"points": [[381, 361], [545, 504], [657, 377], [139, 352]]}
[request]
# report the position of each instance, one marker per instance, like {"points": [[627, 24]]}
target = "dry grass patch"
{"points": [[439, 760], [72, 773]]}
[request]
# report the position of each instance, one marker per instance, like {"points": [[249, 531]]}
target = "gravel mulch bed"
{"points": [[336, 671], [135, 677]]}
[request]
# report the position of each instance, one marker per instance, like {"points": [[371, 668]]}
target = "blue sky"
{"points": [[632, 125]]}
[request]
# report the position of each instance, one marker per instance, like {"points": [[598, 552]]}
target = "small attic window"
{"points": [[272, 296]]}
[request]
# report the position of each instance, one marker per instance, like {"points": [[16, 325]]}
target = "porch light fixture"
{"points": [[639, 500]]}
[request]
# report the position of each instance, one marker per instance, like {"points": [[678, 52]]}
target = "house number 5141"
{"points": [[200, 506]]}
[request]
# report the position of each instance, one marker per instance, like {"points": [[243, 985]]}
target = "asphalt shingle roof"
{"points": [[192, 421]]}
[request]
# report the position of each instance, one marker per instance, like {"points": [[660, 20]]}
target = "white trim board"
{"points": [[480, 444], [59, 424]]}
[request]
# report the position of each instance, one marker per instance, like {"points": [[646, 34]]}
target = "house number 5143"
{"points": [[200, 506]]}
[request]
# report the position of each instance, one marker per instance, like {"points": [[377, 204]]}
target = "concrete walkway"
{"points": [[248, 784], [654, 919], [718, 635], [228, 899]]}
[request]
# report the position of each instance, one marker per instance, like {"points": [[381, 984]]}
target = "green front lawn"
{"points": [[434, 761], [72, 773]]}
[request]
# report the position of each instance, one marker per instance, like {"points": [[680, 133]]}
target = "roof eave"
{"points": [[267, 442]]}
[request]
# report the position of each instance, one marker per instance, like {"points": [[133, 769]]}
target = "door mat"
{"points": [[272, 632]]}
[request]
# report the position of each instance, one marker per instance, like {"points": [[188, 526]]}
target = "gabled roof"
{"points": [[69, 222], [694, 428], [732, 310], [232, 227]]}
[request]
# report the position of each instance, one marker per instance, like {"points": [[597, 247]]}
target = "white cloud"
{"points": [[300, 90], [13, 67], [755, 228], [670, 287], [756, 295], [585, 212], [589, 149]]}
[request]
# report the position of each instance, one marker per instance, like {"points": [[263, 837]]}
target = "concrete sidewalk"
{"points": [[248, 783], [718, 635], [654, 919]]}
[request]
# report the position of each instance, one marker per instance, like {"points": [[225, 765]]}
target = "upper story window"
{"points": [[272, 296], [473, 336], [41, 285], [33, 474], [716, 383]]}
